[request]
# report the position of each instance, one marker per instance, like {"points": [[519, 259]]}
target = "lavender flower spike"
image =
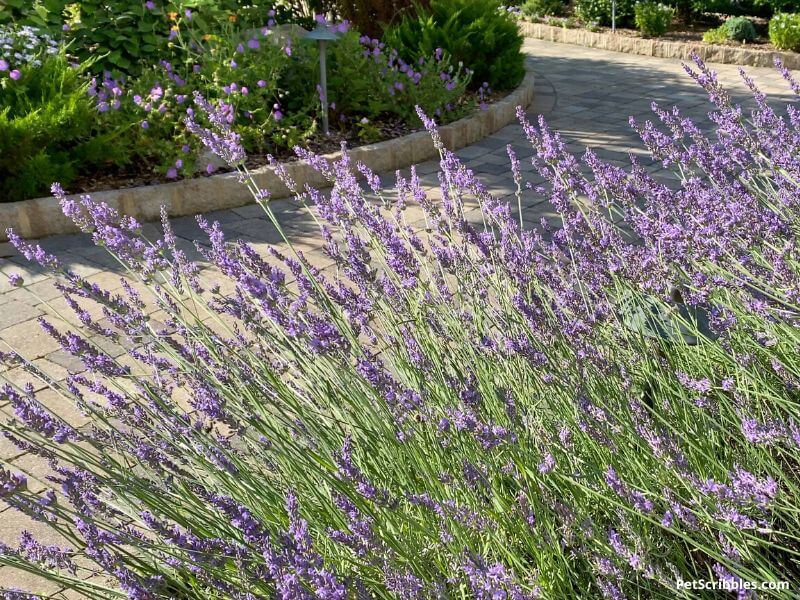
{"points": [[219, 138]]}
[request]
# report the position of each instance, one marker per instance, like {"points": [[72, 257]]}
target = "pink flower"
{"points": [[15, 74]]}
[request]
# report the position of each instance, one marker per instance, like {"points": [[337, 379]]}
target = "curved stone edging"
{"points": [[41, 217], [659, 48]]}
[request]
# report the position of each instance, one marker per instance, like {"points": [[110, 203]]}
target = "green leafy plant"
{"points": [[367, 81], [599, 11], [118, 35], [718, 35], [475, 33], [653, 18], [49, 130], [784, 31], [46, 14], [125, 36], [542, 8], [740, 29], [367, 130]]}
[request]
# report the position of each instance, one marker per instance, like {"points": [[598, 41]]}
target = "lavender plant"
{"points": [[463, 407]]}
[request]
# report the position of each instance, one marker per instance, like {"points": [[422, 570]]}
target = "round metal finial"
{"points": [[322, 33]]}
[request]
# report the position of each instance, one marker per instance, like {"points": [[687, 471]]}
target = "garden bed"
{"points": [[679, 45], [41, 217], [94, 103]]}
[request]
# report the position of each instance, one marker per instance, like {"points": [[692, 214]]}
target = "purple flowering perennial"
{"points": [[461, 404]]}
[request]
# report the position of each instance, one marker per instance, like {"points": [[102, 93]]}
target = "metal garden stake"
{"points": [[613, 16], [323, 35]]}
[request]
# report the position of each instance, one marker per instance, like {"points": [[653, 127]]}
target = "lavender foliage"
{"points": [[464, 406]]}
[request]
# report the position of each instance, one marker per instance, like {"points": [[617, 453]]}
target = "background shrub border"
{"points": [[40, 217], [659, 48]]}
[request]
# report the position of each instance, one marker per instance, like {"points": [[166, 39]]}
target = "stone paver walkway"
{"points": [[587, 94]]}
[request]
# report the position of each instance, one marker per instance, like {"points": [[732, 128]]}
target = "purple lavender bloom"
{"points": [[491, 582], [547, 465], [639, 501], [11, 483], [51, 556], [30, 412], [219, 138]]}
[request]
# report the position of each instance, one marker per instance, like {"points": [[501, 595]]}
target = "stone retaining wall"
{"points": [[659, 48], [41, 217]]}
